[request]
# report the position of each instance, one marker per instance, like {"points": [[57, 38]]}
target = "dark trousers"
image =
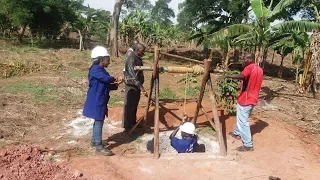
{"points": [[131, 101]]}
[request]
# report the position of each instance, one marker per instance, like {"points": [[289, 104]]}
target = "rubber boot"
{"points": [[103, 151]]}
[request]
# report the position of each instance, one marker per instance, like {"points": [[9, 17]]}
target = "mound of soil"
{"points": [[26, 162]]}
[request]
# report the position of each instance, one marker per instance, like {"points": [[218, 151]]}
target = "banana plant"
{"points": [[283, 47], [85, 24], [222, 38], [284, 43], [262, 30], [259, 33]]}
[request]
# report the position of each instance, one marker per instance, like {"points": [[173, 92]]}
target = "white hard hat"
{"points": [[188, 127], [99, 51]]}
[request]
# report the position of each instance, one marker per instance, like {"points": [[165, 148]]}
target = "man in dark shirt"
{"points": [[133, 86]]}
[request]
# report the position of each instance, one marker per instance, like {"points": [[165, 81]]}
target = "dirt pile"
{"points": [[26, 162]]}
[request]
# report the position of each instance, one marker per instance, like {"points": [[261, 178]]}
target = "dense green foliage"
{"points": [[227, 92], [246, 25]]}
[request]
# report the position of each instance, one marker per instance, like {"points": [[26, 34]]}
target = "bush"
{"points": [[167, 93], [227, 92]]}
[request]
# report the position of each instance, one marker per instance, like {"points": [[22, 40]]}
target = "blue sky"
{"points": [[109, 4]]}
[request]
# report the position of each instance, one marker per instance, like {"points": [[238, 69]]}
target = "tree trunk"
{"points": [[292, 58], [281, 67], [265, 55], [315, 59], [236, 54], [257, 54], [114, 28], [80, 41], [273, 56], [22, 31], [226, 61], [297, 74]]}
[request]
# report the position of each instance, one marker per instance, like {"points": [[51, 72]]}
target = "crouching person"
{"points": [[100, 84], [189, 140]]}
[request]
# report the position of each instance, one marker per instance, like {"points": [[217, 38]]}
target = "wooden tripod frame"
{"points": [[206, 81]]}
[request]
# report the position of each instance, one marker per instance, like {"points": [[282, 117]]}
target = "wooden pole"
{"points": [[156, 112], [177, 100], [156, 119], [209, 119], [174, 69], [136, 125], [221, 138], [203, 87], [154, 69], [148, 105], [182, 58]]}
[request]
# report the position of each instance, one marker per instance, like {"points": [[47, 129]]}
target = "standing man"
{"points": [[134, 86], [251, 77], [131, 49]]}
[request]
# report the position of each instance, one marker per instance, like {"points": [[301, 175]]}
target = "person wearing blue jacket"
{"points": [[100, 84], [189, 141]]}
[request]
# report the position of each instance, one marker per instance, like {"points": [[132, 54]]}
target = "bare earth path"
{"points": [[278, 152]]}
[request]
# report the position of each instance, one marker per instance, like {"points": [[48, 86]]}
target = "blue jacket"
{"points": [[184, 145], [98, 96]]}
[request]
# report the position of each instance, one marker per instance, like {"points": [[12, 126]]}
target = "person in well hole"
{"points": [[189, 141]]}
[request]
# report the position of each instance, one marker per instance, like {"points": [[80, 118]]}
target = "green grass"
{"points": [[206, 131], [115, 100], [138, 139], [78, 74], [147, 56], [192, 91], [167, 93], [191, 79], [86, 53], [24, 49], [40, 93]]}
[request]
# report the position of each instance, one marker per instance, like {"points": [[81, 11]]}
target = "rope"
{"points": [[184, 115], [197, 69], [185, 96]]}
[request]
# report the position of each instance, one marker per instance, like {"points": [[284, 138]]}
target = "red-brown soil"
{"points": [[279, 151], [26, 162], [285, 131]]}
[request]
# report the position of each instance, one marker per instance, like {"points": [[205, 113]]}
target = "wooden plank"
{"points": [[221, 137], [182, 58], [136, 125], [177, 100], [148, 105], [209, 119], [202, 89], [156, 112], [156, 119], [166, 69]]}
